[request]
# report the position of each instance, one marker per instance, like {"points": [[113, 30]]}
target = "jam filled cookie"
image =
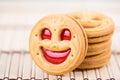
{"points": [[91, 53], [98, 46], [96, 61], [58, 44], [95, 24], [100, 39]]}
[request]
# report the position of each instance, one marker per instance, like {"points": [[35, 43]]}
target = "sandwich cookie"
{"points": [[96, 61], [98, 46], [100, 39], [95, 24], [58, 44], [91, 53]]}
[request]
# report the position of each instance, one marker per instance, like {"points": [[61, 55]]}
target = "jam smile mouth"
{"points": [[55, 57]]}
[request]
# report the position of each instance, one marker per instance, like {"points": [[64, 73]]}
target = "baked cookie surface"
{"points": [[96, 61], [58, 44], [100, 39], [98, 46], [91, 53], [95, 24]]}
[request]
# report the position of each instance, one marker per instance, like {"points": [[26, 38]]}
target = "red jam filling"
{"points": [[46, 34], [66, 35], [55, 57]]}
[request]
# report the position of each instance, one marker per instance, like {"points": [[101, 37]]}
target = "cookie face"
{"points": [[95, 24], [57, 44]]}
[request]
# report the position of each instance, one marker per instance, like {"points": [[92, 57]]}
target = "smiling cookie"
{"points": [[58, 44]]}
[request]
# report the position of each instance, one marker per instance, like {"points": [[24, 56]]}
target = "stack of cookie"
{"points": [[61, 43], [99, 29]]}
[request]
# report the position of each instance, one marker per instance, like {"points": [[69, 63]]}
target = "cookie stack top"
{"points": [[95, 24]]}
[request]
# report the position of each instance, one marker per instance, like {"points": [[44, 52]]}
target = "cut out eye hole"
{"points": [[66, 34], [46, 34]]}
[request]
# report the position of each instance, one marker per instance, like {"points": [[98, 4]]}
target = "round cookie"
{"points": [[100, 39], [96, 61], [98, 52], [58, 44], [95, 24], [98, 46]]}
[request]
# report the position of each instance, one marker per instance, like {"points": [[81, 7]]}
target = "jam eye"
{"points": [[66, 34], [46, 34]]}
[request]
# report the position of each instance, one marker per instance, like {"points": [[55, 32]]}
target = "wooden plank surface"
{"points": [[14, 66], [78, 75], [91, 74], [27, 67], [39, 73], [3, 61]]}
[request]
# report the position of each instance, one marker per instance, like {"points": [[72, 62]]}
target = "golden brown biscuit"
{"points": [[91, 53], [100, 39], [58, 44], [98, 46], [96, 61], [95, 24]]}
